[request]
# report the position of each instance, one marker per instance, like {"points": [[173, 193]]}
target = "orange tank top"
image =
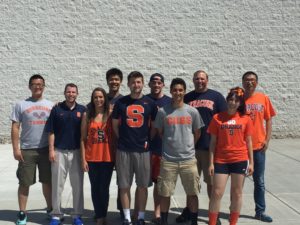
{"points": [[99, 140]]}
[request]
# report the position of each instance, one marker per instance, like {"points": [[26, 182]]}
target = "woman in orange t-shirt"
{"points": [[231, 154], [97, 151]]}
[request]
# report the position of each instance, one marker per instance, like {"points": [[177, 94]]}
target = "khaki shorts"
{"points": [[133, 163], [169, 171], [26, 172], [203, 164]]}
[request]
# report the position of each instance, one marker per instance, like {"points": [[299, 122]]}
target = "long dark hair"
{"points": [[239, 94], [91, 111]]}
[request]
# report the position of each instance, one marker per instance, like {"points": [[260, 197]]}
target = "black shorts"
{"points": [[228, 168]]}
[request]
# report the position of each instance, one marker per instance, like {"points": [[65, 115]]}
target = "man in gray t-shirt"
{"points": [[179, 126], [30, 117]]}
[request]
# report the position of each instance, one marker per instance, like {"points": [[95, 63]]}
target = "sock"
{"points": [[141, 215], [127, 214], [213, 216], [164, 217], [194, 217], [233, 218]]}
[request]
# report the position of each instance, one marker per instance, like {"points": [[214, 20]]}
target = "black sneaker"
{"points": [[194, 223], [126, 222], [140, 222], [184, 216], [156, 221], [264, 217], [48, 213], [22, 218], [122, 214], [219, 221]]}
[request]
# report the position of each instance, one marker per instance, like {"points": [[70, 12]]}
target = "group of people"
{"points": [[154, 138]]}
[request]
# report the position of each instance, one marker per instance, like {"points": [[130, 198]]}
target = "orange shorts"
{"points": [[155, 167]]}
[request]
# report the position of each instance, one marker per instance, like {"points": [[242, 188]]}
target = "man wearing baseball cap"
{"points": [[156, 84]]}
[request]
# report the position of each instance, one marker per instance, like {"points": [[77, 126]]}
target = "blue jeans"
{"points": [[259, 158], [100, 176]]}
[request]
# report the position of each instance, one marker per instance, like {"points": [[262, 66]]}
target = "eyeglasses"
{"points": [[250, 80], [37, 85]]}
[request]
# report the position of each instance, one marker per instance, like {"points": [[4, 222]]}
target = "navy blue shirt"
{"points": [[112, 101], [134, 128], [65, 124], [207, 103], [155, 145]]}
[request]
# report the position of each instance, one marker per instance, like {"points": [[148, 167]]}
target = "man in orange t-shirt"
{"points": [[261, 112]]}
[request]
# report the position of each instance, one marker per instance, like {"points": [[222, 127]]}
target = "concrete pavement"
{"points": [[282, 195]]}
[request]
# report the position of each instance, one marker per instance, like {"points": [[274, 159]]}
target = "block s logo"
{"points": [[135, 117]]}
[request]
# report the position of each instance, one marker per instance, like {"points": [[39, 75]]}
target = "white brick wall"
{"points": [[77, 41]]}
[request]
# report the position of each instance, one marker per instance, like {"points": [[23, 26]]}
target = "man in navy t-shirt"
{"points": [[208, 102], [156, 85], [114, 78], [132, 115]]}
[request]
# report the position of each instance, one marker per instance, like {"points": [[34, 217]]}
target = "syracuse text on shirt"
{"points": [[173, 120], [202, 103], [254, 107]]}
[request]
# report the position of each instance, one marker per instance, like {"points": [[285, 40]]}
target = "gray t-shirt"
{"points": [[178, 125], [32, 115]]}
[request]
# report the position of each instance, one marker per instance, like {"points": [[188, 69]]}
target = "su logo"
{"points": [[135, 117]]}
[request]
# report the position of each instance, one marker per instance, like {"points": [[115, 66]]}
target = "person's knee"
{"points": [[23, 189], [217, 194], [237, 193], [143, 189], [192, 198], [124, 190]]}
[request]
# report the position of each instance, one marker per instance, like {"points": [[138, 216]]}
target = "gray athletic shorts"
{"points": [[130, 163]]}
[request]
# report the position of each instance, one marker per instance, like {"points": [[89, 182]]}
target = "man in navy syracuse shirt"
{"points": [[156, 85], [208, 102], [63, 127], [131, 116]]}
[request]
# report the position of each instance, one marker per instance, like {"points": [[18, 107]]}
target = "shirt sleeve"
{"points": [[269, 110], [49, 128], [16, 114]]}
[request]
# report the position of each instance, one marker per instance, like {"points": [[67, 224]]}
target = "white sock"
{"points": [[141, 215], [127, 214]]}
